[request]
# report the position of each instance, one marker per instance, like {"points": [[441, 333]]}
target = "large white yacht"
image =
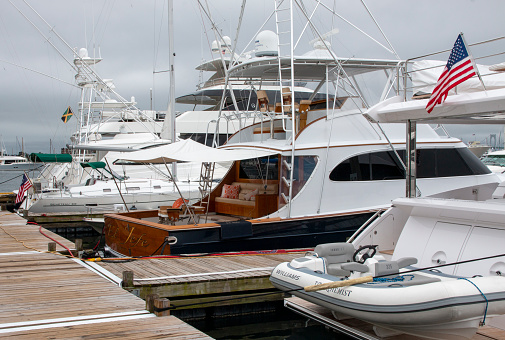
{"points": [[322, 168]]}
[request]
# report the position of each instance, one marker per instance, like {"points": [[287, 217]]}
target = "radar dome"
{"points": [[266, 44], [221, 47], [83, 53]]}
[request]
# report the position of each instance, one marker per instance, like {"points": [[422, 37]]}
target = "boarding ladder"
{"points": [[285, 46], [205, 183]]}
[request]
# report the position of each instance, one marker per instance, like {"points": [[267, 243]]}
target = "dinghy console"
{"points": [[342, 259]]}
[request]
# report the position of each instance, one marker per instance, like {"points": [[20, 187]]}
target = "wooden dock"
{"points": [[50, 296], [200, 282]]}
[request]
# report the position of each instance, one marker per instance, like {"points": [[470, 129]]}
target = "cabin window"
{"points": [[371, 166], [264, 168], [431, 163]]}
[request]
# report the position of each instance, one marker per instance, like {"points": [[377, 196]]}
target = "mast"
{"points": [[171, 103]]}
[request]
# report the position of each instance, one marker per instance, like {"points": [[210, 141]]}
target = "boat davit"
{"points": [[395, 297]]}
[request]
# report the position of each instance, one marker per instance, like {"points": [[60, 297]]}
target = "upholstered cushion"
{"points": [[230, 191], [251, 195], [234, 201]]}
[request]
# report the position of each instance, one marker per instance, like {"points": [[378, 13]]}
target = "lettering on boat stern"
{"points": [[288, 275], [133, 239], [338, 290]]}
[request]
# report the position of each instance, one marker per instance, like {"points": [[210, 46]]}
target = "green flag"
{"points": [[67, 115]]}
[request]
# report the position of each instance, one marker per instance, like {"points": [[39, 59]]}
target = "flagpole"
{"points": [[27, 195], [472, 60]]}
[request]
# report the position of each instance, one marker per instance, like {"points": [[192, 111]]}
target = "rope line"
{"points": [[32, 248], [483, 295]]}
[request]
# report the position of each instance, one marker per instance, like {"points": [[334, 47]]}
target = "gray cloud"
{"points": [[131, 36]]}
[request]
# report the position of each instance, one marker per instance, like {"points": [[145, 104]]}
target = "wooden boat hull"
{"points": [[129, 235]]}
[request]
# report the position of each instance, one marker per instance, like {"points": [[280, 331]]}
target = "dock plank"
{"points": [[50, 296]]}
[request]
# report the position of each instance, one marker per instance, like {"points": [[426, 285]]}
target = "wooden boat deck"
{"points": [[46, 295], [359, 329]]}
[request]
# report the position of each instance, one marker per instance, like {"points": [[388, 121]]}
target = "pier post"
{"points": [[51, 246], [162, 303], [150, 302], [127, 279], [78, 244]]}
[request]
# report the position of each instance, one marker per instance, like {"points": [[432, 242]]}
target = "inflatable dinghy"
{"points": [[423, 303]]}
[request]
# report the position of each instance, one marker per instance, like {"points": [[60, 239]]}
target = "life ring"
{"points": [[178, 203]]}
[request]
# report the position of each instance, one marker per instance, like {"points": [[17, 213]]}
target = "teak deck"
{"points": [[47, 295]]}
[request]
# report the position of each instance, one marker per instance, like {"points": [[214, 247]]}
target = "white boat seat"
{"points": [[355, 267], [335, 254]]}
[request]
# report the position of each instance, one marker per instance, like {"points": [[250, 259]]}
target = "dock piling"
{"points": [[150, 302], [127, 279], [161, 304]]}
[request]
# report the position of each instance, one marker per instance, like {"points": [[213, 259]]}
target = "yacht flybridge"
{"points": [[322, 167]]}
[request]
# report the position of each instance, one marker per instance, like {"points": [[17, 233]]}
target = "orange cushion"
{"points": [[230, 191], [178, 203]]}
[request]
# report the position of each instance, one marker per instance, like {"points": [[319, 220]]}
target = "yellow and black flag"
{"points": [[67, 115]]}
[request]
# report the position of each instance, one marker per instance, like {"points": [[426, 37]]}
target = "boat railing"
{"points": [[374, 217], [480, 52]]}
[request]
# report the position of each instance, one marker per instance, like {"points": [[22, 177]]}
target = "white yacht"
{"points": [[321, 168]]}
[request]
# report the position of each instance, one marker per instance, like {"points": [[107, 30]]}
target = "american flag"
{"points": [[25, 185], [458, 69]]}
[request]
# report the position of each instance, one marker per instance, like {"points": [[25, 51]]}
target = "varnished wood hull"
{"points": [[127, 234]]}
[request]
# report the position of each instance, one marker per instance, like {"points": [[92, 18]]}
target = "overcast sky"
{"points": [[131, 37]]}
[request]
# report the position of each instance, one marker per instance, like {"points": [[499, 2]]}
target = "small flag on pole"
{"points": [[67, 115], [459, 68], [25, 185]]}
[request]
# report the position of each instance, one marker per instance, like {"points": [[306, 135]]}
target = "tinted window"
{"points": [[431, 163], [374, 166], [474, 163], [262, 168]]}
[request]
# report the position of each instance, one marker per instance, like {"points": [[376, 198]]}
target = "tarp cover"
{"points": [[425, 74], [94, 165], [187, 151], [51, 157]]}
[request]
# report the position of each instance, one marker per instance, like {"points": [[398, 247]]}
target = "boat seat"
{"points": [[383, 268], [355, 267], [393, 267], [406, 261], [336, 254]]}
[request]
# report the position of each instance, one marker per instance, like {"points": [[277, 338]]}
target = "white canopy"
{"points": [[485, 107], [187, 151]]}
